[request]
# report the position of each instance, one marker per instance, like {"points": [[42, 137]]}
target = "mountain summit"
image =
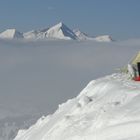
{"points": [[61, 31], [11, 34]]}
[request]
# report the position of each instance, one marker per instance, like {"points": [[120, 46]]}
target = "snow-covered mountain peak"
{"points": [[81, 35], [11, 34], [102, 111], [60, 24], [11, 30], [61, 31]]}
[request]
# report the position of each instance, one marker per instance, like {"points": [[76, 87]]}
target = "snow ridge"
{"points": [[103, 110]]}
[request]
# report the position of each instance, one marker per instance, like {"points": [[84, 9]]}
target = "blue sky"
{"points": [[119, 18]]}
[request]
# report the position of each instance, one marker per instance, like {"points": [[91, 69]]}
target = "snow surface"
{"points": [[11, 34], [107, 109]]}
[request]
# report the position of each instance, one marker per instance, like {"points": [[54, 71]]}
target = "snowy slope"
{"points": [[103, 38], [35, 34], [107, 109], [31, 34], [11, 34], [61, 31], [82, 36]]}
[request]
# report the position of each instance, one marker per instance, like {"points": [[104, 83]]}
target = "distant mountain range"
{"points": [[58, 32]]}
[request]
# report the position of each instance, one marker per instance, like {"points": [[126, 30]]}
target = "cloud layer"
{"points": [[37, 76]]}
